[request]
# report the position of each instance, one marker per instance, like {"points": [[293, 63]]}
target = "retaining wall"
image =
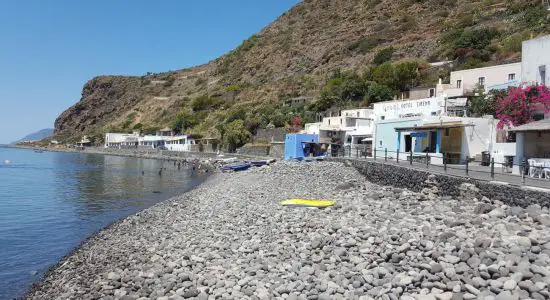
{"points": [[412, 179], [254, 150], [268, 135]]}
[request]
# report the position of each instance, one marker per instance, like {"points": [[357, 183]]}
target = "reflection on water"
{"points": [[50, 202]]}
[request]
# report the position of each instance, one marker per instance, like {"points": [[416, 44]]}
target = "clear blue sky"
{"points": [[49, 49]]}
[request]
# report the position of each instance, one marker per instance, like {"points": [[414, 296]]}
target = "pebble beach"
{"points": [[231, 239]]}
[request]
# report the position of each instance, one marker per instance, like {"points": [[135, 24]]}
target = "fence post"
{"points": [[522, 170], [385, 154], [492, 167], [374, 154], [445, 162], [397, 157], [427, 160], [467, 162], [411, 157]]}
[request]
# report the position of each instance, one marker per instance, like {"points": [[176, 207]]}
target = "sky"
{"points": [[50, 49]]}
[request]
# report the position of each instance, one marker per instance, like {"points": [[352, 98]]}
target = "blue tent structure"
{"points": [[295, 143]]}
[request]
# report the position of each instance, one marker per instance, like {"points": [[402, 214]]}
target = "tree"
{"points": [[185, 120], [383, 56], [519, 106], [384, 74], [235, 134], [379, 93], [406, 75], [485, 103]]}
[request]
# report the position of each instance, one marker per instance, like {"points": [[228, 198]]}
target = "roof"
{"points": [[542, 125], [430, 127]]}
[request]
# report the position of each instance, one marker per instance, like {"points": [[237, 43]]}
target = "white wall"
{"points": [[357, 113], [536, 53], [494, 75], [312, 128], [479, 137], [393, 110]]}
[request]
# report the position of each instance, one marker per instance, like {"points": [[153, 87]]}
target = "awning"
{"points": [[541, 125], [431, 127]]}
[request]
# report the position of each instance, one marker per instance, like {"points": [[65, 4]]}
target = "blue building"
{"points": [[296, 143]]}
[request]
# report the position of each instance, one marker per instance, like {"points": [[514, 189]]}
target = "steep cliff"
{"points": [[294, 55]]}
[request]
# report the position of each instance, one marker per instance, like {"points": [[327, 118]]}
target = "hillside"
{"points": [[36, 136], [300, 54]]}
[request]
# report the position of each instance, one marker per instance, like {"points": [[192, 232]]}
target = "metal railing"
{"points": [[446, 163]]}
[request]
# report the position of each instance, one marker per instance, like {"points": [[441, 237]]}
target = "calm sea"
{"points": [[50, 202]]}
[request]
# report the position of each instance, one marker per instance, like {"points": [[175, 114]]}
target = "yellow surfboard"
{"points": [[307, 202]]}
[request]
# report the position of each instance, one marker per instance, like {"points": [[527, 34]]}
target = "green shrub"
{"points": [[513, 43], [384, 74], [235, 134], [365, 44], [205, 102], [379, 93], [478, 39], [383, 56]]}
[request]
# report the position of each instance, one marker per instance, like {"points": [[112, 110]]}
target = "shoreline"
{"points": [[203, 161], [35, 286], [231, 239]]}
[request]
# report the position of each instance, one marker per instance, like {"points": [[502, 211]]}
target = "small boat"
{"points": [[38, 150], [259, 163], [235, 167]]}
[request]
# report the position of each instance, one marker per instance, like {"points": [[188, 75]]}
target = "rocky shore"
{"points": [[231, 239]]}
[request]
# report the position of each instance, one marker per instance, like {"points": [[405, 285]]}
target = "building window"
{"points": [[382, 118], [481, 81], [447, 131], [432, 93], [542, 72], [511, 76], [459, 84], [538, 116]]}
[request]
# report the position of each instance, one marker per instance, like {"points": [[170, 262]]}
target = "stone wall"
{"points": [[277, 150], [254, 150], [268, 135], [413, 180]]}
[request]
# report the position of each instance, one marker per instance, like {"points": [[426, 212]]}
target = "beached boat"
{"points": [[235, 167], [259, 163]]}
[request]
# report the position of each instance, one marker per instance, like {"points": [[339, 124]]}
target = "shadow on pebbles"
{"points": [[230, 239]]}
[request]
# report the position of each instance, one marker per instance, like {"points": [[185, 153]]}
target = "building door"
{"points": [[408, 143], [433, 141]]}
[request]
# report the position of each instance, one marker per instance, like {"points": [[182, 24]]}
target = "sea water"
{"points": [[50, 202]]}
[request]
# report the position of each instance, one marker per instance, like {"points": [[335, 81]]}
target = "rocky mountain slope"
{"points": [[36, 136], [294, 55]]}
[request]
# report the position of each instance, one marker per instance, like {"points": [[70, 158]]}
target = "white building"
{"points": [[179, 143], [121, 140], [464, 82], [535, 60], [423, 126], [352, 129]]}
